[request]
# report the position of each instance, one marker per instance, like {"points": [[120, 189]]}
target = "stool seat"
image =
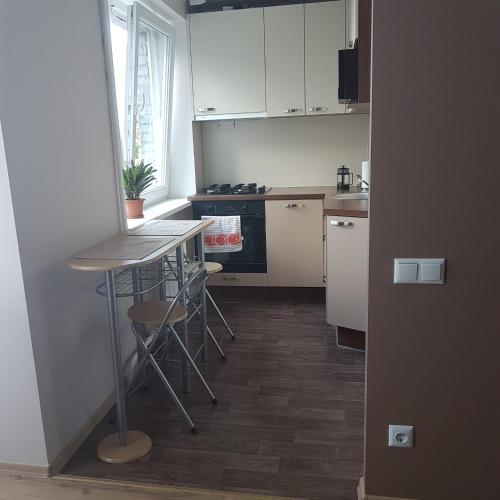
{"points": [[152, 313], [213, 267]]}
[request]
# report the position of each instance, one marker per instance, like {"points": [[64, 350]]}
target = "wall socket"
{"points": [[401, 436]]}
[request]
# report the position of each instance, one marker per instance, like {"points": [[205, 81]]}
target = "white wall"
{"points": [[198, 155], [21, 429], [182, 170], [54, 107], [298, 151]]}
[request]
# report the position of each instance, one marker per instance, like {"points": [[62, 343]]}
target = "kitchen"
{"points": [[297, 168], [270, 169], [118, 332], [282, 156]]}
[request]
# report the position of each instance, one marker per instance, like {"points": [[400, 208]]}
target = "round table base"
{"points": [[110, 451]]}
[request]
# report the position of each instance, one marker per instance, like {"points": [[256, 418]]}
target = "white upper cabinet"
{"points": [[272, 61], [324, 37], [228, 65], [284, 46]]}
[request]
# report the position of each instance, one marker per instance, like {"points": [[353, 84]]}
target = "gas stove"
{"points": [[228, 189]]}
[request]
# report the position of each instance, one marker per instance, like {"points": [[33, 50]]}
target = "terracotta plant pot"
{"points": [[134, 208]]}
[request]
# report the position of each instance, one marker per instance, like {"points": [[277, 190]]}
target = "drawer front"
{"points": [[238, 279]]}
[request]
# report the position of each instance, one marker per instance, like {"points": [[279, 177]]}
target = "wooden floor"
{"points": [[289, 420]]}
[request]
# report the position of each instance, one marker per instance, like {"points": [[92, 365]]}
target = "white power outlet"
{"points": [[401, 436]]}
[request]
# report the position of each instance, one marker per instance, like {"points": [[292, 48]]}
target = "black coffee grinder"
{"points": [[344, 178]]}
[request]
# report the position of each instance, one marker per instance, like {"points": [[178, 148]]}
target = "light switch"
{"points": [[419, 271], [430, 271], [405, 272]]}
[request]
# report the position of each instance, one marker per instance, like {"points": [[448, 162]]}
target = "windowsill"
{"points": [[159, 210]]}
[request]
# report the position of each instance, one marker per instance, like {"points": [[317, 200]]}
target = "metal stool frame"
{"points": [[217, 310], [192, 287], [197, 307]]}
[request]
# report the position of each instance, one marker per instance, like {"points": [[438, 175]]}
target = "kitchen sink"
{"points": [[351, 196]]}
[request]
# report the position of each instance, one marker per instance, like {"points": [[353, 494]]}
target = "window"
{"points": [[143, 64]]}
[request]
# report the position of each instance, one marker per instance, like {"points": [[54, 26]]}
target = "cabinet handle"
{"points": [[341, 223], [231, 278], [315, 110], [293, 205], [206, 110], [293, 110]]}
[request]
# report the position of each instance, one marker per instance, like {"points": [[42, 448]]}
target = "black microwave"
{"points": [[348, 75]]}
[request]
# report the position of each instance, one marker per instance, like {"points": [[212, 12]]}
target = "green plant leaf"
{"points": [[137, 177]]}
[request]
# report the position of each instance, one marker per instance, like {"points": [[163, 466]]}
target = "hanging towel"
{"points": [[224, 235]]}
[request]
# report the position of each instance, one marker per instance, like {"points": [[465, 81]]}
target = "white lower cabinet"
{"points": [[294, 241], [347, 272]]}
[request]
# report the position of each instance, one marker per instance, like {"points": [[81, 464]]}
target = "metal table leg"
{"points": [[124, 446], [117, 358], [204, 335], [137, 286], [179, 255], [163, 286]]}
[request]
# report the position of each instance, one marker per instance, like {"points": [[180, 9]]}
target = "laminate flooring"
{"points": [[290, 416]]}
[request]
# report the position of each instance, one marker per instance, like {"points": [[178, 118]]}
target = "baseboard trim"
{"points": [[77, 440], [363, 496], [162, 491], [38, 470]]}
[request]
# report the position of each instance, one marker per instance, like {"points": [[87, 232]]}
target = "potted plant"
{"points": [[137, 177]]}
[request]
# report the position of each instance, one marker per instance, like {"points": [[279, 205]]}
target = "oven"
{"points": [[252, 257]]}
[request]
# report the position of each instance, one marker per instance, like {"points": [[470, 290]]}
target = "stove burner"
{"points": [[251, 188]]}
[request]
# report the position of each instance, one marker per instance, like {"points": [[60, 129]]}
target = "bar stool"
{"points": [[212, 268], [160, 319], [195, 305]]}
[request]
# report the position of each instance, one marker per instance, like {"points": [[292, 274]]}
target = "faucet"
{"points": [[360, 183]]}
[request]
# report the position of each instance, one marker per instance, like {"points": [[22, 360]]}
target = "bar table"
{"points": [[128, 252]]}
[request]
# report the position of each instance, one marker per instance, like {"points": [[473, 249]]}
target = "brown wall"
{"points": [[434, 351]]}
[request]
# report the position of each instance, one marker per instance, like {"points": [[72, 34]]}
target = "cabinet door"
{"points": [[294, 240], [347, 272], [324, 37], [284, 28], [227, 61]]}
